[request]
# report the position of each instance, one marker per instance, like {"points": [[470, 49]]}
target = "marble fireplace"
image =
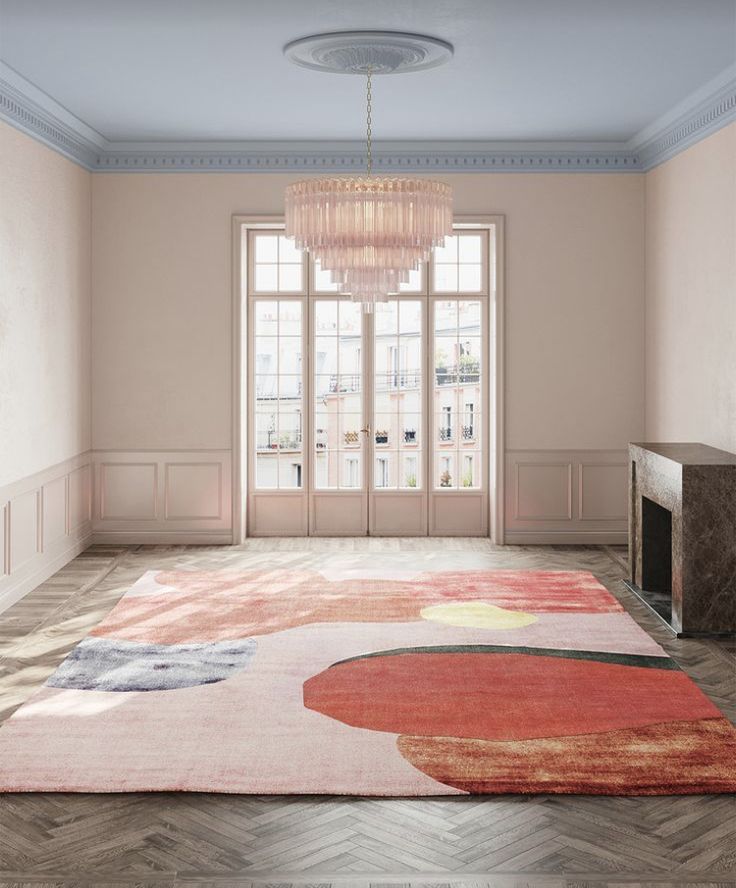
{"points": [[682, 535]]}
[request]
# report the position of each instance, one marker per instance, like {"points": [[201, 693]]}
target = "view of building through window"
{"points": [[425, 391]]}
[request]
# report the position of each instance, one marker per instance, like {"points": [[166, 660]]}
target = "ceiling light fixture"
{"points": [[368, 231]]}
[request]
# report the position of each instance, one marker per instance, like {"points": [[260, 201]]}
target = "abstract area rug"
{"points": [[296, 681]]}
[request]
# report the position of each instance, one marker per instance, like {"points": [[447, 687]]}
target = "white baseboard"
{"points": [[163, 537], [566, 538], [29, 579]]}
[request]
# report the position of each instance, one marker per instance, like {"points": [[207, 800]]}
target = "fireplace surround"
{"points": [[682, 535]]}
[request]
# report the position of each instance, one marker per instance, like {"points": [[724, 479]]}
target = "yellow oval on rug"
{"points": [[477, 614]]}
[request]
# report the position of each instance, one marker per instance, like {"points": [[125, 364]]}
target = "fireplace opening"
{"points": [[656, 556]]}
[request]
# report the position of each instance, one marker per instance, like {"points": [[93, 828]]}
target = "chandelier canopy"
{"points": [[368, 231]]}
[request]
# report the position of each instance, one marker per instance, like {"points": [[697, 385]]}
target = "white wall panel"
{"points": [[128, 490], [54, 510], [150, 496], [24, 528], [193, 491], [603, 491], [36, 535], [566, 496]]}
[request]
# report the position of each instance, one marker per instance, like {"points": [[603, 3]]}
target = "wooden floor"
{"points": [[166, 839]]}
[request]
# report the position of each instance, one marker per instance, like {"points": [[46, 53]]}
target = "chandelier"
{"points": [[369, 232]]}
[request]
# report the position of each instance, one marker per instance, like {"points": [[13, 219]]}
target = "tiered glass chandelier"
{"points": [[369, 232]]}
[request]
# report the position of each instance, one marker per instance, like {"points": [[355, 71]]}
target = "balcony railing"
{"points": [[272, 441], [410, 436], [446, 434], [350, 382], [468, 433], [464, 372]]}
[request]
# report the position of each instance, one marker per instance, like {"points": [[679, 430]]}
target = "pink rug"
{"points": [[292, 681]]}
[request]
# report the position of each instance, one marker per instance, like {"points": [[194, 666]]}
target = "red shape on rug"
{"points": [[683, 757], [497, 696]]}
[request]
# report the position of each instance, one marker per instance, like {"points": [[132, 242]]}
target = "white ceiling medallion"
{"points": [[370, 232], [357, 52]]}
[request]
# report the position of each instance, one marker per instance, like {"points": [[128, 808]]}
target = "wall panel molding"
{"points": [[38, 115], [162, 496], [566, 496], [38, 537]]}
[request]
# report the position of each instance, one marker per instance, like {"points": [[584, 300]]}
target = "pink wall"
{"points": [[691, 295], [162, 289], [44, 307]]}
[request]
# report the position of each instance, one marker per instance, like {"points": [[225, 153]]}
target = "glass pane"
{"points": [[324, 386], [290, 426], [350, 434], [266, 430], [266, 386], [321, 469], [290, 355], [445, 279], [290, 278], [410, 316], [325, 316], [352, 475], [414, 284], [410, 430], [445, 316], [385, 430], [469, 317], [447, 253], [266, 317], [266, 470], [445, 352], [471, 469], [290, 317], [411, 471], [386, 316], [323, 280], [325, 354], [445, 470], [469, 280], [290, 471], [385, 470], [326, 469], [290, 387], [266, 248], [350, 355], [470, 425], [470, 248], [266, 278], [350, 316], [288, 251]]}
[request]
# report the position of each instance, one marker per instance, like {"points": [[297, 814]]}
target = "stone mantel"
{"points": [[682, 534]]}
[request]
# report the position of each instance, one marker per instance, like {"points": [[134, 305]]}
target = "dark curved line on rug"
{"points": [[643, 660]]}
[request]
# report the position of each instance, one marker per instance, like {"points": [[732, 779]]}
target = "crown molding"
{"points": [[349, 157], [38, 115], [703, 113]]}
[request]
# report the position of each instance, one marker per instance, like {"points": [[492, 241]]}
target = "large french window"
{"points": [[368, 423]]}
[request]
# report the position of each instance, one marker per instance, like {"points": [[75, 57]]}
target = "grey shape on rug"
{"points": [[109, 664]]}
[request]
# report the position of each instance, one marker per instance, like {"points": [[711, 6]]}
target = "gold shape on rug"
{"points": [[477, 615], [679, 757]]}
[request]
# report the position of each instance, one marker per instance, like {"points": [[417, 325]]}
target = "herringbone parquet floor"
{"points": [[226, 841]]}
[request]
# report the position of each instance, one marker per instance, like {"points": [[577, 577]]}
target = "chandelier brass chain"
{"points": [[368, 134]]}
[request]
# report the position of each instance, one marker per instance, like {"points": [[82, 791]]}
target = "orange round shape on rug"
{"points": [[500, 696]]}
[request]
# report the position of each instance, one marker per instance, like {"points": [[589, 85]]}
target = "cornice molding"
{"points": [[350, 157], [33, 112], [676, 132]]}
